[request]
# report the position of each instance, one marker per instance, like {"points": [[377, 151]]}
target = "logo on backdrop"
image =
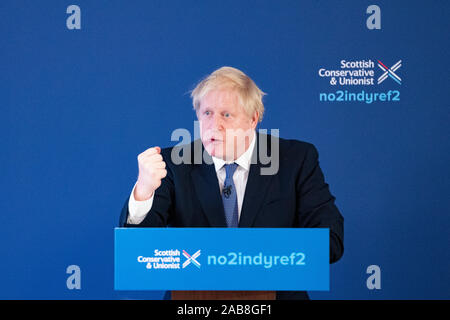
{"points": [[379, 82], [390, 72]]}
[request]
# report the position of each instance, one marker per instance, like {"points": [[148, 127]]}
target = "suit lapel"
{"points": [[206, 185], [256, 188]]}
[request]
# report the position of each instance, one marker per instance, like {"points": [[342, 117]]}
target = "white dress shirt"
{"points": [[138, 209]]}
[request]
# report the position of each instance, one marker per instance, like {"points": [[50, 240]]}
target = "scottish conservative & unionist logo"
{"points": [[366, 80], [181, 259]]}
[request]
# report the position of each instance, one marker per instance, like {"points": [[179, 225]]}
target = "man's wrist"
{"points": [[140, 194]]}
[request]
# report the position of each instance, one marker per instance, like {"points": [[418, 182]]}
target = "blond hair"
{"points": [[248, 92]]}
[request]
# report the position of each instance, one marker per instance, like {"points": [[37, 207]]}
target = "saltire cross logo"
{"points": [[389, 72], [191, 259]]}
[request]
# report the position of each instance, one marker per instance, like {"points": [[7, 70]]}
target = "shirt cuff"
{"points": [[138, 210]]}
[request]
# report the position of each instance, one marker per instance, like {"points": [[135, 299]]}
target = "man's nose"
{"points": [[218, 122]]}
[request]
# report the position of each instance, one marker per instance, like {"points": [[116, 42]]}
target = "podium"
{"points": [[221, 263]]}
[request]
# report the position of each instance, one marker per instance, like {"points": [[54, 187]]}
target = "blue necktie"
{"points": [[229, 197]]}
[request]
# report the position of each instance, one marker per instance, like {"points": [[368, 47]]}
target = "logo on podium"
{"points": [[191, 259]]}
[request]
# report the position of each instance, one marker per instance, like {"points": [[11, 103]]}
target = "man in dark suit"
{"points": [[234, 185]]}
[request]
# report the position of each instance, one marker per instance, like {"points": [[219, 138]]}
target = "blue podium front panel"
{"points": [[221, 259]]}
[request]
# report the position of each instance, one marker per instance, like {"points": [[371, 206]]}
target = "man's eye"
{"points": [[227, 115], [207, 113]]}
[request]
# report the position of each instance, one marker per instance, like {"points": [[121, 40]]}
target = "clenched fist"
{"points": [[152, 169]]}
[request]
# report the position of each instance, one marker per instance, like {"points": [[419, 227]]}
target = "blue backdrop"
{"points": [[78, 105]]}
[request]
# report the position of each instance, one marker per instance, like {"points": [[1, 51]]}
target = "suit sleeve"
{"points": [[160, 212], [316, 204]]}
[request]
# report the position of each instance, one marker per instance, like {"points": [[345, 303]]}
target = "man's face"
{"points": [[226, 129]]}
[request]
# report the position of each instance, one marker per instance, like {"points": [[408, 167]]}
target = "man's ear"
{"points": [[255, 119]]}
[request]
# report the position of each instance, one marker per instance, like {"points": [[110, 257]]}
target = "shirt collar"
{"points": [[243, 161]]}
